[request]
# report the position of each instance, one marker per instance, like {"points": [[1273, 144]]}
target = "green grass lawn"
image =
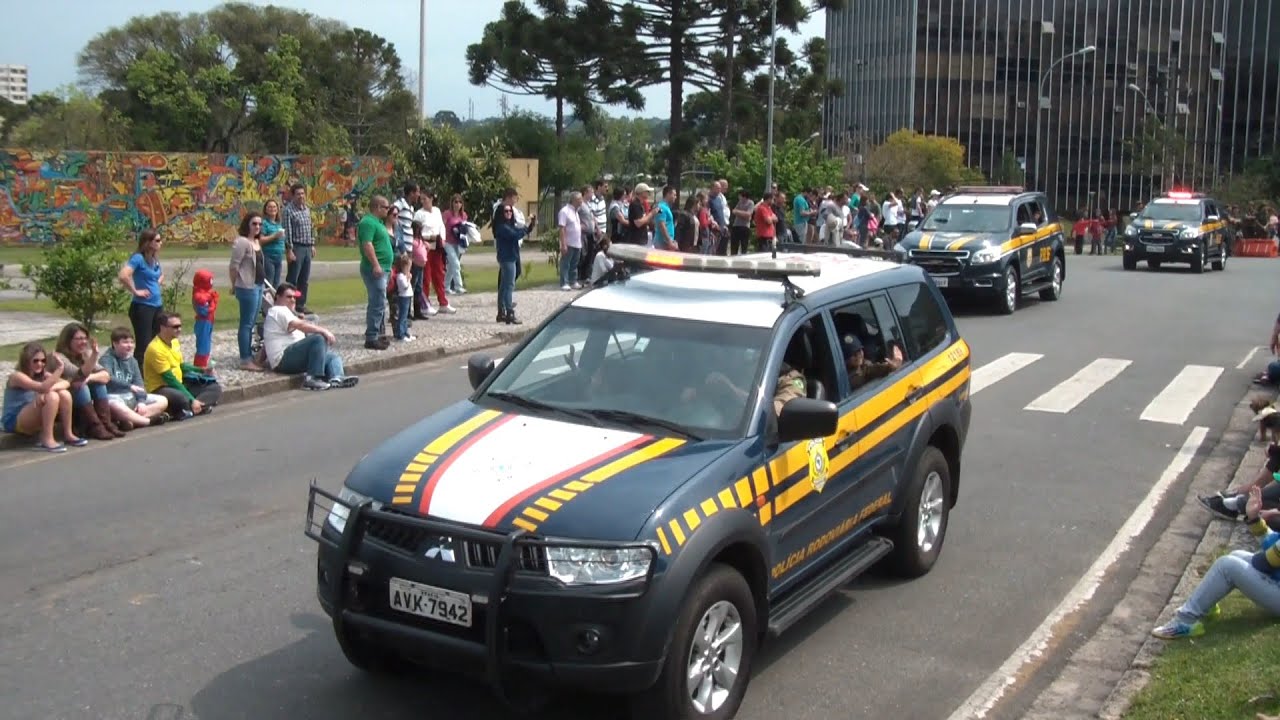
{"points": [[1215, 676], [19, 255], [322, 296]]}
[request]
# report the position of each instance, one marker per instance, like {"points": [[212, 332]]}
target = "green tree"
{"points": [[447, 117], [75, 121], [796, 165], [1009, 171], [567, 162], [910, 159], [437, 157], [79, 273]]}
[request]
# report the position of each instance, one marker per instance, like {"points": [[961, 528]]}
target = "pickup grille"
{"points": [[1157, 237], [939, 262], [480, 554]]}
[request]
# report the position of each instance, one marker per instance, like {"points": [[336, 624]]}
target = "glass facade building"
{"points": [[1175, 91]]}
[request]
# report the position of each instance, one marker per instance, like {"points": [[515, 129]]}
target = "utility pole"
{"points": [[422, 60], [773, 73]]}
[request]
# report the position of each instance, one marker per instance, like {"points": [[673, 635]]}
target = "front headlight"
{"points": [[987, 255], [338, 513], [597, 566], [1131, 231], [1190, 233]]}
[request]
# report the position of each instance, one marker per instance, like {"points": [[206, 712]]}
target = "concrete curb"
{"points": [[277, 384], [1102, 676]]}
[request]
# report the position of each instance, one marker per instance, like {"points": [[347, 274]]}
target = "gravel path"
{"points": [[472, 325]]}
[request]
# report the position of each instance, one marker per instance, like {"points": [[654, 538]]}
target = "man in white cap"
{"points": [[640, 214]]}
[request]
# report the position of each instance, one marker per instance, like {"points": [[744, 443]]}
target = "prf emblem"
{"points": [[818, 464]]}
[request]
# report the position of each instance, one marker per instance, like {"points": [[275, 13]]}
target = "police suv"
{"points": [[993, 241], [619, 506], [1180, 227]]}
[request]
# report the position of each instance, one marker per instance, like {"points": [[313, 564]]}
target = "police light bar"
{"points": [[1182, 194], [989, 189], [689, 262]]}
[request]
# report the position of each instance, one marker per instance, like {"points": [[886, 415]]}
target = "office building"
{"points": [[13, 84], [1198, 79]]}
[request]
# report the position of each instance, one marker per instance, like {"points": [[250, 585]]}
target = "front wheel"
{"points": [[918, 538], [1199, 262], [1054, 291], [1010, 291], [1221, 262], [1129, 263], [709, 666]]}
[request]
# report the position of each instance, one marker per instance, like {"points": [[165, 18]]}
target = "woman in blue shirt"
{"points": [[272, 242], [142, 277]]}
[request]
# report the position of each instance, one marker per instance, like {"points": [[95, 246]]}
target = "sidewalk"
{"points": [[472, 328], [320, 270]]}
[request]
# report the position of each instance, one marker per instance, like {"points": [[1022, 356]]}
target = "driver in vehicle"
{"points": [[791, 385], [862, 371]]}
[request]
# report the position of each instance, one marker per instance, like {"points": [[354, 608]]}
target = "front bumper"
{"points": [[1176, 249], [954, 270], [524, 623]]}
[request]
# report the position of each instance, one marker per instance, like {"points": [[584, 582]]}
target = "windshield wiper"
{"points": [[529, 403], [634, 418]]}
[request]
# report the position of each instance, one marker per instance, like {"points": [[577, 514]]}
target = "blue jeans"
{"points": [[86, 393], [416, 275], [569, 265], [506, 287], [1231, 572], [376, 312], [311, 355], [453, 267], [404, 306], [250, 300], [271, 267], [299, 274]]}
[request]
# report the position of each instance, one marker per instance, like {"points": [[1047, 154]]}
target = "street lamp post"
{"points": [[1164, 133], [1042, 104], [773, 46], [422, 61]]}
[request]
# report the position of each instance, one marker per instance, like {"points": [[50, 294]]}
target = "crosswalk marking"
{"points": [[1076, 389], [999, 369], [1174, 404]]}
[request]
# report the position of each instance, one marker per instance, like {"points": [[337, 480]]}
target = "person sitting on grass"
{"points": [[294, 346], [36, 397], [188, 391], [131, 404], [1229, 504], [1256, 575]]}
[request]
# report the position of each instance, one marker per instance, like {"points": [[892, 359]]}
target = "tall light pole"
{"points": [[773, 46], [422, 60], [1164, 132], [1042, 104]]}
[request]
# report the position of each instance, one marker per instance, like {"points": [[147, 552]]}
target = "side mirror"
{"points": [[1025, 229], [479, 367], [805, 418]]}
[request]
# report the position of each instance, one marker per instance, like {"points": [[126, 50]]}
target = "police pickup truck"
{"points": [[1179, 227]]}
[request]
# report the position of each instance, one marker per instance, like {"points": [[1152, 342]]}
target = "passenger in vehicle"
{"points": [[862, 371]]}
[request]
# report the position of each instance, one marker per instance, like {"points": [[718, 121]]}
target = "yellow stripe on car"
{"points": [[439, 445]]}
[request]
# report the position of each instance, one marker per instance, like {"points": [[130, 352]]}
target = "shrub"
{"points": [[78, 273], [176, 293]]}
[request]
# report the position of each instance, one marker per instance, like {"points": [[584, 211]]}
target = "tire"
{"points": [[1010, 291], [1221, 263], [1153, 264], [364, 653], [1199, 262], [1054, 291], [915, 552], [1130, 263], [723, 590]]}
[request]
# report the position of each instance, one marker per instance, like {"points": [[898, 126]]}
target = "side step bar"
{"points": [[814, 591]]}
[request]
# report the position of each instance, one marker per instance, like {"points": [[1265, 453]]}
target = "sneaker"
{"points": [[407, 338], [565, 287], [577, 286], [1215, 505], [343, 382], [1214, 613], [448, 309], [431, 310], [311, 383], [1174, 629], [379, 344]]}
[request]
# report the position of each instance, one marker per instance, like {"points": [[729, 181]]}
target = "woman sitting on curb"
{"points": [[1256, 575], [79, 353], [131, 404], [35, 397], [188, 391]]}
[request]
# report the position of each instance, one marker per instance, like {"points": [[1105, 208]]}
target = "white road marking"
{"points": [[1002, 680], [999, 369], [1064, 396], [1174, 404], [1248, 357]]}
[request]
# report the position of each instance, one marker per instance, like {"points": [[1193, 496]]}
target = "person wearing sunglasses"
{"points": [[36, 397], [248, 273], [295, 346], [188, 391]]}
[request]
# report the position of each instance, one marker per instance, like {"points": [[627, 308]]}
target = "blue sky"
{"points": [[46, 35]]}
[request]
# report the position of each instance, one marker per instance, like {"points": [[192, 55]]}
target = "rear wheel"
{"points": [[918, 538]]}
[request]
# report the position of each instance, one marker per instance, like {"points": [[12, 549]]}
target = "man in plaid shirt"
{"points": [[299, 243]]}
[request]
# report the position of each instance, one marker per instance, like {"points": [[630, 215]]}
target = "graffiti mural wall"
{"points": [[190, 198]]}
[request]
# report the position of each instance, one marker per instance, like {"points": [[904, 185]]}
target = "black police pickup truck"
{"points": [[1178, 227]]}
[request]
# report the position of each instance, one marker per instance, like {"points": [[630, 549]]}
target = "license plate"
{"points": [[1155, 248], [940, 281], [430, 602]]}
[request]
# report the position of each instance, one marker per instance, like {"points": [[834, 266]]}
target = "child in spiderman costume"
{"points": [[204, 300]]}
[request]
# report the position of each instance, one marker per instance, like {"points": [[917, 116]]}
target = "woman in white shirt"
{"points": [[433, 230]]}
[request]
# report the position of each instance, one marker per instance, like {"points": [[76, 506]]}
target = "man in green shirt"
{"points": [[376, 256]]}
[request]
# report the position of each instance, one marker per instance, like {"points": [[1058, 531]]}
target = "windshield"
{"points": [[968, 219], [1189, 212], [683, 376]]}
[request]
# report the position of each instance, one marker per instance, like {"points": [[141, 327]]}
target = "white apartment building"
{"points": [[13, 84]]}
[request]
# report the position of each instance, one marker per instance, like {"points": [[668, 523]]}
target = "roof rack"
{"points": [[885, 255], [747, 269], [989, 190]]}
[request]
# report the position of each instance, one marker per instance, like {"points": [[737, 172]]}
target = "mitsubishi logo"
{"points": [[441, 549]]}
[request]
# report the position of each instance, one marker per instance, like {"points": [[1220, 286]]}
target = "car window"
{"points": [[1172, 211], [699, 375], [924, 326], [867, 324], [959, 217]]}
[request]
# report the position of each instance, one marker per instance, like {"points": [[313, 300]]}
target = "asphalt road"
{"points": [[166, 576]]}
